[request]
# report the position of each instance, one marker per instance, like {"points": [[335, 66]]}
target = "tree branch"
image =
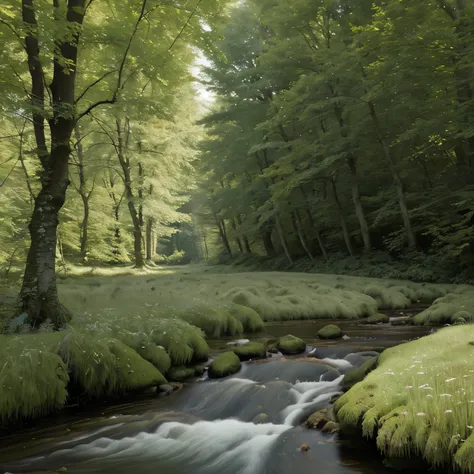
{"points": [[90, 86], [119, 85], [185, 25]]}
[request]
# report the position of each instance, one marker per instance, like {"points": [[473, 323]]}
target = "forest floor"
{"points": [[135, 329]]}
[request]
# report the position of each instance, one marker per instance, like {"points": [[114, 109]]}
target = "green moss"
{"points": [[225, 364], [290, 345], [215, 322], [156, 355], [180, 374], [358, 374], [418, 401], [133, 372], [32, 381], [447, 309], [249, 318], [377, 319], [330, 331], [388, 297], [251, 350]]}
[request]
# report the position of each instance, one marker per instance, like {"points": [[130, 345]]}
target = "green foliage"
{"points": [[358, 374], [224, 364], [418, 401]]}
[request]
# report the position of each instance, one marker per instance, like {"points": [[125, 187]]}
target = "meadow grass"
{"points": [[419, 401]]}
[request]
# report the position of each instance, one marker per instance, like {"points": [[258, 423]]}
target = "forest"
{"points": [[187, 186]]}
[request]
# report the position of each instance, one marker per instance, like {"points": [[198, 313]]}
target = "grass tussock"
{"points": [[453, 308], [419, 401]]}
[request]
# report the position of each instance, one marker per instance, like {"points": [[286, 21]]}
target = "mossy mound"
{"points": [[419, 400], [251, 350], [331, 331], [180, 374], [225, 364], [358, 374], [215, 322], [448, 309], [377, 319], [290, 345], [250, 319]]}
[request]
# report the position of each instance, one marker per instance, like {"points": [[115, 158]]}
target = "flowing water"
{"points": [[246, 424]]}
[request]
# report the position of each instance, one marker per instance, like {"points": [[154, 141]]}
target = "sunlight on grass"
{"points": [[420, 400]]}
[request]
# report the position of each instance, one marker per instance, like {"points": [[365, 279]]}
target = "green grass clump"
{"points": [[389, 297], [331, 331], [251, 350], [225, 364], [419, 401], [290, 345], [358, 374], [250, 319], [102, 366], [33, 380], [447, 309], [215, 322]]}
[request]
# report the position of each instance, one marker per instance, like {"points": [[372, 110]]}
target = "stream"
{"points": [[250, 423]]}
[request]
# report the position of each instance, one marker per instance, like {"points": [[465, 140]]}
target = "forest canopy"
{"points": [[316, 130]]}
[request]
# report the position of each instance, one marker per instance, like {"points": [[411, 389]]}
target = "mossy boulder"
{"points": [[331, 427], [377, 319], [319, 419], [260, 419], [358, 374], [134, 372], [331, 331], [179, 374], [290, 345], [251, 350], [272, 345], [225, 364]]}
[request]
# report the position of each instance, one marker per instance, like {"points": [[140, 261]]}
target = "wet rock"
{"points": [[225, 364], [319, 419], [290, 345], [199, 370], [331, 427], [251, 350], [331, 331], [180, 374], [377, 319], [260, 419], [150, 390], [330, 375], [175, 386], [304, 448], [358, 374], [165, 389], [358, 358], [402, 321]]}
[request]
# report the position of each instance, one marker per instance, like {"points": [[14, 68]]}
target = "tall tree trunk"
{"points": [[39, 296], [364, 228], [85, 196], [282, 237], [122, 148], [351, 161], [223, 234], [149, 240], [244, 237], [237, 239], [268, 243], [342, 218], [296, 219], [396, 179]]}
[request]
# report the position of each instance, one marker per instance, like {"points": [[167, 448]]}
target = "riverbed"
{"points": [[250, 423]]}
